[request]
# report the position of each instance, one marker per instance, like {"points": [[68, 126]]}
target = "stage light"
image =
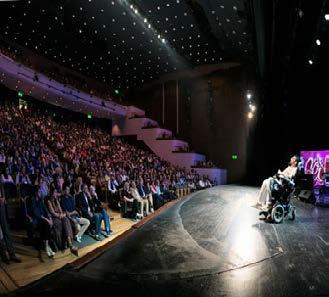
{"points": [[249, 95], [116, 92], [250, 115], [310, 62], [318, 42], [20, 94], [89, 115], [326, 16], [234, 157], [252, 107]]}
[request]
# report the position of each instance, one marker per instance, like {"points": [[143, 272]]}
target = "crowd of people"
{"points": [[68, 173]]}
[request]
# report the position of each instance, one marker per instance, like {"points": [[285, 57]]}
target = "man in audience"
{"points": [[68, 205], [145, 193], [113, 188], [91, 208]]}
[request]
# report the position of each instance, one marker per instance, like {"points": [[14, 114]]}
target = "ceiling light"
{"points": [[326, 16], [318, 42], [310, 62]]}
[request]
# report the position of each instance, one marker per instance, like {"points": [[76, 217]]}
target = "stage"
{"points": [[211, 243]]}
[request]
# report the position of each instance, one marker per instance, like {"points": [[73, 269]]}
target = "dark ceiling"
{"points": [[128, 43]]}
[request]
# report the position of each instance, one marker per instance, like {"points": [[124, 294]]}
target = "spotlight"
{"points": [[163, 40], [326, 16], [250, 115], [252, 107], [249, 96], [318, 42], [310, 62]]}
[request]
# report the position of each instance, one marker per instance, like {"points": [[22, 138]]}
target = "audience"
{"points": [[68, 171]]}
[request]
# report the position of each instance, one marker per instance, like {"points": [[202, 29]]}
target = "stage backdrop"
{"points": [[316, 163]]}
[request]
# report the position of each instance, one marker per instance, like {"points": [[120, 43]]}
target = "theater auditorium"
{"points": [[164, 148]]}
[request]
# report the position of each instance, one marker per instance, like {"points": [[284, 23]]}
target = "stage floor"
{"points": [[209, 244]]}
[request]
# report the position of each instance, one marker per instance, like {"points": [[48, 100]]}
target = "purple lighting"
{"points": [[316, 163]]}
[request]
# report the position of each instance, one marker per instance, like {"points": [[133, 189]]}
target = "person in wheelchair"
{"points": [[278, 188]]}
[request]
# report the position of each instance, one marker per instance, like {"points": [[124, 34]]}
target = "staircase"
{"points": [[175, 151], [151, 133]]}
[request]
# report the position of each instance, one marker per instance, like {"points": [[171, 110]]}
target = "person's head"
{"points": [[85, 188], [54, 192], [294, 160], [126, 185], [66, 189], [92, 190]]}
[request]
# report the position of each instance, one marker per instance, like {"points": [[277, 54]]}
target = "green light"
{"points": [[20, 94], [234, 157], [89, 115]]}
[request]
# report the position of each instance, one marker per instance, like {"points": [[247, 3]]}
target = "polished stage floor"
{"points": [[209, 244]]}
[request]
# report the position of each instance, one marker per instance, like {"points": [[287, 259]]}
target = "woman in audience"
{"points": [[143, 203], [127, 199], [43, 220], [62, 227]]}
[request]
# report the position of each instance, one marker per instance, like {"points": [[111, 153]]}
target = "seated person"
{"points": [[68, 206], [145, 193], [90, 207], [265, 191], [113, 187], [156, 193], [43, 221], [61, 223], [143, 203], [128, 199], [6, 245]]}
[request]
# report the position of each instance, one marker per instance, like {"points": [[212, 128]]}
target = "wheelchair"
{"points": [[282, 191]]}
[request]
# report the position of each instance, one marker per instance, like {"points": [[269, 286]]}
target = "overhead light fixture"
{"points": [[318, 42], [310, 62], [326, 16]]}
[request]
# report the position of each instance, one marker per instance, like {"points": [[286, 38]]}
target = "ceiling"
{"points": [[129, 43]]}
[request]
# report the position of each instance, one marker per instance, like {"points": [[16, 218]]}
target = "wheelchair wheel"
{"points": [[277, 214]]}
